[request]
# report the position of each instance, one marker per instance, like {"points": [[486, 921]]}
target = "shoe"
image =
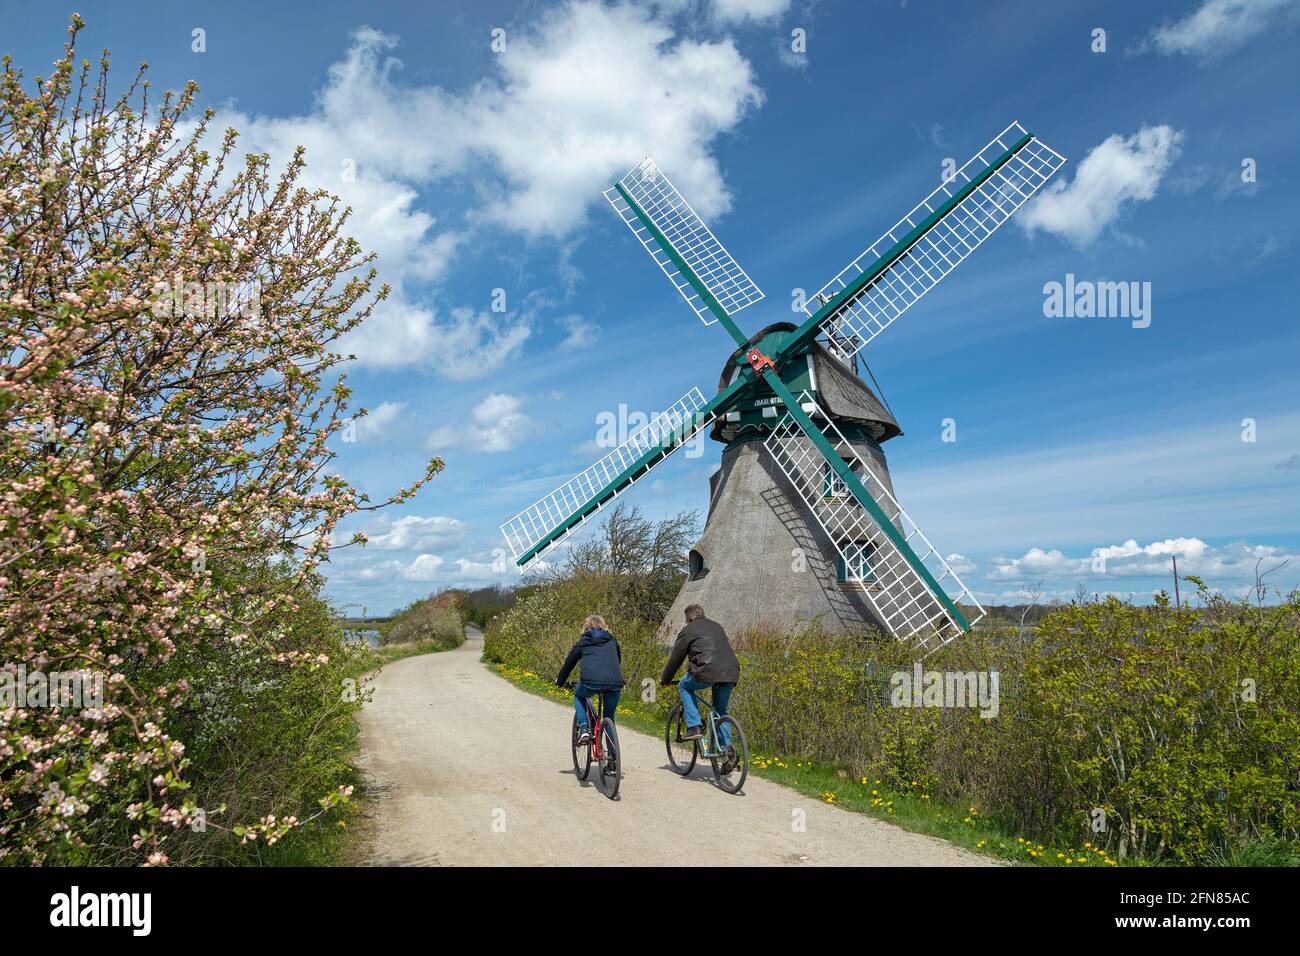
{"points": [[693, 733], [584, 736]]}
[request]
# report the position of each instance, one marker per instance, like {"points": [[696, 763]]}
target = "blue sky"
{"points": [[472, 170]]}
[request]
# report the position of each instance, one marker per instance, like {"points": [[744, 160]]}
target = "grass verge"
{"points": [[915, 811]]}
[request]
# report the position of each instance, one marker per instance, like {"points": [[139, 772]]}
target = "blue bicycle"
{"points": [[723, 744]]}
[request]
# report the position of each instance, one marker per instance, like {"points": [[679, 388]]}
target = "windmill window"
{"points": [[832, 484], [855, 564], [696, 566]]}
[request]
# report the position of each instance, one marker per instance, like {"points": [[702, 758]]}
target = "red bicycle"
{"points": [[602, 749]]}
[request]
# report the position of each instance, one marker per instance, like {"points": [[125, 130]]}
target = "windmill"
{"points": [[803, 430]]}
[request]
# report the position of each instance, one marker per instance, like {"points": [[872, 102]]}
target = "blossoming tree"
{"points": [[168, 394]]}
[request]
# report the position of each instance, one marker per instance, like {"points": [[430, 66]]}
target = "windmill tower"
{"points": [[764, 557], [803, 462]]}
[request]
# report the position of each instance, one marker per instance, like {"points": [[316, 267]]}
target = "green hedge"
{"points": [[1181, 726], [261, 737]]}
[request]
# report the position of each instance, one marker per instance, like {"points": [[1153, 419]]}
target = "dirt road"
{"points": [[465, 769]]}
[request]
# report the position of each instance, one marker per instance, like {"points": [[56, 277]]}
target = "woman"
{"points": [[602, 671]]}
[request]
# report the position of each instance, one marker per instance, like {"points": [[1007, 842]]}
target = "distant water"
{"points": [[357, 634]]}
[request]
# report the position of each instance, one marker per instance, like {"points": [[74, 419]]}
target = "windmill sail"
{"points": [[692, 258], [906, 580], [546, 522], [926, 244]]}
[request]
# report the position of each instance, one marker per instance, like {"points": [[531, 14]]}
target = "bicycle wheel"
{"points": [[609, 762], [731, 764], [682, 754], [581, 753]]}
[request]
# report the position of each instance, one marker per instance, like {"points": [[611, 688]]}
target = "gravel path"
{"points": [[465, 769]]}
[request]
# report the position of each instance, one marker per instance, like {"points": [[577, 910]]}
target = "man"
{"points": [[711, 663]]}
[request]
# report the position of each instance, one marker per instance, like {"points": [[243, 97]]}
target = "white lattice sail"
{"points": [[689, 238], [666, 431], [870, 310], [902, 599]]}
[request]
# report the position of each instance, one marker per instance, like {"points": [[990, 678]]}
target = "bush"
{"points": [[435, 619], [1181, 725], [483, 604]]}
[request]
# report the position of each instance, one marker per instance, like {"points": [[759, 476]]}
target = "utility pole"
{"points": [[1177, 600]]}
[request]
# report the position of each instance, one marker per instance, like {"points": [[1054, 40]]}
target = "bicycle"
{"points": [[730, 760], [602, 748]]}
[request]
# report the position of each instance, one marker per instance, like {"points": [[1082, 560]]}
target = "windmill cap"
{"points": [[839, 390]]}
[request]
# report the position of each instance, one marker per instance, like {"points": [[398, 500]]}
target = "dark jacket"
{"points": [[705, 643], [602, 661]]}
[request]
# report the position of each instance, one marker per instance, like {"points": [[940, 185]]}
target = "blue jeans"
{"points": [[687, 687], [582, 692]]}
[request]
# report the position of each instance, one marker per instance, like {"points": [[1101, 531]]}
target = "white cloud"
{"points": [[1232, 564], [467, 345], [742, 11], [426, 567], [1185, 548], [379, 571], [581, 332], [571, 105], [1035, 565], [1118, 172], [429, 568], [476, 570], [1217, 27], [1042, 596], [574, 104], [411, 532], [960, 564], [497, 424], [787, 57], [378, 419]]}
